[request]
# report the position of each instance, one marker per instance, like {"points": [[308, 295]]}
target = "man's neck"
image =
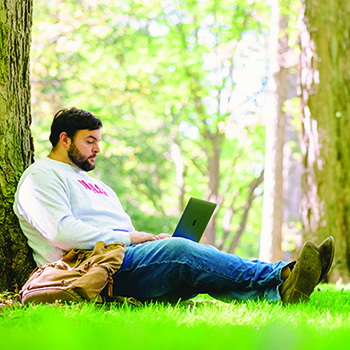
{"points": [[59, 157]]}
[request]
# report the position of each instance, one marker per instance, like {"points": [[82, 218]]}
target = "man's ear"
{"points": [[65, 140]]}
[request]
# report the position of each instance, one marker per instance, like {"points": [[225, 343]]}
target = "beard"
{"points": [[78, 159]]}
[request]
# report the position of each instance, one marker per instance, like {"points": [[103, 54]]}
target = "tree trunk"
{"points": [[175, 153], [16, 146], [272, 216], [325, 84], [213, 152]]}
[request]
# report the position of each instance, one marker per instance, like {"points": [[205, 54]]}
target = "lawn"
{"points": [[202, 323]]}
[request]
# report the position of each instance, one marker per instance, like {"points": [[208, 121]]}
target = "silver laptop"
{"points": [[194, 219]]}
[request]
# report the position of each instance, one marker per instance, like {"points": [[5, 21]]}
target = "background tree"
{"points": [[325, 81], [16, 147], [283, 58], [272, 215], [163, 75]]}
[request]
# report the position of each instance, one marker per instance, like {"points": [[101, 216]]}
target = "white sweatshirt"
{"points": [[60, 207]]}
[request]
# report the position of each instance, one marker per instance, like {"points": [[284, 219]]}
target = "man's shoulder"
{"points": [[37, 165], [47, 169], [49, 165]]}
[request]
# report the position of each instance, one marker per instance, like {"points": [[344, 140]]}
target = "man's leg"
{"points": [[178, 268]]}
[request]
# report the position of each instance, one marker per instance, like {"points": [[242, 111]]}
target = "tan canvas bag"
{"points": [[80, 275]]}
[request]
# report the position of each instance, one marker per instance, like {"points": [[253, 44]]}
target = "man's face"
{"points": [[83, 149]]}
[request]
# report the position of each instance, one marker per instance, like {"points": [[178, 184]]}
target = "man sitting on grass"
{"points": [[60, 207]]}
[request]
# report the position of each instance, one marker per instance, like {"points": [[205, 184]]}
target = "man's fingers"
{"points": [[142, 237], [163, 236]]}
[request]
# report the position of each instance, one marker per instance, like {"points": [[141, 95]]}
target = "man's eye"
{"points": [[89, 142]]}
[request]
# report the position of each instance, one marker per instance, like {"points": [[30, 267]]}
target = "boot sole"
{"points": [[307, 274], [305, 280]]}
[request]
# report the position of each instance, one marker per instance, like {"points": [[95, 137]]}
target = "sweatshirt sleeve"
{"points": [[43, 202]]}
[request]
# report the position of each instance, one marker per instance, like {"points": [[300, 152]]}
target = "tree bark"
{"points": [[16, 146], [325, 86]]}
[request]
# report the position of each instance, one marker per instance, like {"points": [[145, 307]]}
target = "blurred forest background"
{"points": [[199, 98], [183, 89]]}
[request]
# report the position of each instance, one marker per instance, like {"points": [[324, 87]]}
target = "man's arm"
{"points": [[43, 202]]}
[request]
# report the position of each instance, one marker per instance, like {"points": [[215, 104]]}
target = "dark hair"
{"points": [[71, 120]]}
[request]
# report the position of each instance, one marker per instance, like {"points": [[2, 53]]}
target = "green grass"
{"points": [[202, 323]]}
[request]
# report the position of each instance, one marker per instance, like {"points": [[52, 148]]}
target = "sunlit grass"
{"points": [[324, 323]]}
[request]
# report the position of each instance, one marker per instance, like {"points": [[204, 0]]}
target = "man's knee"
{"points": [[180, 244]]}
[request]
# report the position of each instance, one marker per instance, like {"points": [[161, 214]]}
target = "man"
{"points": [[61, 207]]}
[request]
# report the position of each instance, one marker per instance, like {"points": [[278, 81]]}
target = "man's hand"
{"points": [[142, 237], [163, 235]]}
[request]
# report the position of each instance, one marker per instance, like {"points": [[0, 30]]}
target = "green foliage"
{"points": [[161, 75]]}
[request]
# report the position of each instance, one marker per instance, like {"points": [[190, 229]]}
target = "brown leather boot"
{"points": [[304, 277], [326, 249]]}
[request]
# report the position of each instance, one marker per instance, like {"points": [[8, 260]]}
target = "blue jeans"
{"points": [[174, 268]]}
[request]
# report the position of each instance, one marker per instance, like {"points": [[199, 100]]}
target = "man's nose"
{"points": [[97, 149]]}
